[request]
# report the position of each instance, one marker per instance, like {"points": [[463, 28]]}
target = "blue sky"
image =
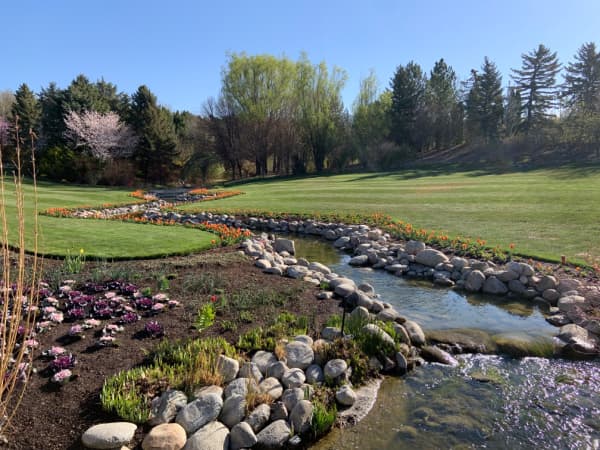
{"points": [[178, 48]]}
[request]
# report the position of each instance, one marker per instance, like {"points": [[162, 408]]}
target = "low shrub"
{"points": [[323, 418]]}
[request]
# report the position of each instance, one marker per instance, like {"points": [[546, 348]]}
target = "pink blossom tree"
{"points": [[103, 135]]}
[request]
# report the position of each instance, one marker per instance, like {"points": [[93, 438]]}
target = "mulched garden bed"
{"points": [[52, 417]]}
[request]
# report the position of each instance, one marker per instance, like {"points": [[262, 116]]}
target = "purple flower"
{"points": [[76, 313], [76, 330], [154, 329], [55, 351], [100, 304], [144, 303], [105, 313], [62, 362], [129, 317]]}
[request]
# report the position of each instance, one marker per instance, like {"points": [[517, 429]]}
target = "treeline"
{"points": [[279, 116]]}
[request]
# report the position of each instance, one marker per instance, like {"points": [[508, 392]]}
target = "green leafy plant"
{"points": [[323, 418], [206, 317], [74, 263]]}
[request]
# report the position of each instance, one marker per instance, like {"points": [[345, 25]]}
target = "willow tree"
{"points": [[320, 107], [259, 91]]}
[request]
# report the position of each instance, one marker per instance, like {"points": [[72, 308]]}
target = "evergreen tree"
{"points": [[582, 80], [484, 104], [27, 107], [536, 83], [441, 98], [157, 145], [513, 117], [408, 94], [52, 124]]}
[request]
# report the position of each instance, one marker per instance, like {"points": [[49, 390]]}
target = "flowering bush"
{"points": [[62, 376], [154, 329]]}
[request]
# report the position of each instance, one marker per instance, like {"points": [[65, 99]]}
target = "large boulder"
{"points": [[212, 436], [374, 330], [335, 368], [301, 416], [314, 374], [434, 354], [166, 436], [494, 286], [272, 387], [228, 368], [165, 408], [547, 282], [570, 302], [414, 247], [474, 281], [430, 257], [284, 245], [299, 355], [293, 378], [415, 333], [259, 417], [345, 396], [274, 436], [233, 411], [242, 436], [263, 360], [109, 435], [198, 413]]}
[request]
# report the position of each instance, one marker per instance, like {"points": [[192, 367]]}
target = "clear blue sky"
{"points": [[178, 47]]}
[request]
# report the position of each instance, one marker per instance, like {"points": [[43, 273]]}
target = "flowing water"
{"points": [[487, 401]]}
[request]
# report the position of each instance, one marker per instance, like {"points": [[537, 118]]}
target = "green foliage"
{"points": [[59, 163], [323, 418], [203, 283], [582, 81], [286, 325], [206, 317], [335, 320], [74, 264]]}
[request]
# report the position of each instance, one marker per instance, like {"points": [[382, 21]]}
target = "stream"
{"points": [[488, 401]]}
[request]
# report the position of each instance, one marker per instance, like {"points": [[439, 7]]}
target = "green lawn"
{"points": [[545, 213], [98, 238]]}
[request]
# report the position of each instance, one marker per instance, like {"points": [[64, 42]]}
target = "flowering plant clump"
{"points": [[62, 376], [112, 329], [106, 340], [54, 351], [76, 331], [63, 362], [91, 323], [154, 329]]}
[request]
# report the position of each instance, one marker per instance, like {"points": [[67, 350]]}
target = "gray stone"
{"points": [[430, 257], [297, 271], [547, 282], [335, 368], [242, 436], [401, 363], [301, 416], [331, 333], [212, 436], [374, 330], [568, 284], [415, 332], [516, 286], [401, 333], [274, 271], [263, 360], [360, 313], [570, 302], [314, 374], [290, 397], [299, 355], [274, 436], [474, 281], [366, 288], [233, 411], [263, 264], [342, 242], [494, 286], [277, 369], [250, 370], [459, 263], [271, 386], [435, 354], [279, 411], [284, 245], [109, 435], [228, 368], [165, 408], [335, 282], [360, 260], [414, 247], [212, 389], [259, 417], [344, 290], [507, 275], [293, 378], [318, 267], [376, 307], [345, 396], [304, 338], [388, 315], [551, 296], [558, 320], [198, 413], [240, 386]]}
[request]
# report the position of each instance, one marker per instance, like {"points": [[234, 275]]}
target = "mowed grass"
{"points": [[99, 238], [546, 213]]}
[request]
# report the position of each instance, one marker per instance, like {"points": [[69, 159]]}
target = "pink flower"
{"points": [[32, 343], [62, 377], [49, 310], [56, 317], [160, 297], [52, 301], [91, 323], [76, 330], [41, 326], [110, 295], [158, 307], [55, 351]]}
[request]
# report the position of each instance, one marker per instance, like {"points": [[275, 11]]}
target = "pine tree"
{"points": [[536, 83], [484, 102], [27, 108], [408, 95], [441, 99], [582, 80]]}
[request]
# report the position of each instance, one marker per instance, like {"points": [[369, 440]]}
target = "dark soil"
{"points": [[51, 417]]}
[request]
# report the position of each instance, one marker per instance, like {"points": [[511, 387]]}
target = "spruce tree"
{"points": [[536, 83], [582, 80], [484, 102], [408, 95]]}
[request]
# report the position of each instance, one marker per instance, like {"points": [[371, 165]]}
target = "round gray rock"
{"points": [[109, 435], [293, 378], [301, 416], [277, 369], [240, 386], [430, 257], [334, 368], [242, 436], [166, 407], [228, 368], [274, 436], [259, 417], [272, 387], [263, 360], [474, 281], [212, 436], [345, 396], [314, 374], [198, 413], [415, 332], [250, 370], [233, 411], [299, 355], [290, 397]]}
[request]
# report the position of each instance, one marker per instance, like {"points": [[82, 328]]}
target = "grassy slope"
{"points": [[546, 212], [99, 238]]}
